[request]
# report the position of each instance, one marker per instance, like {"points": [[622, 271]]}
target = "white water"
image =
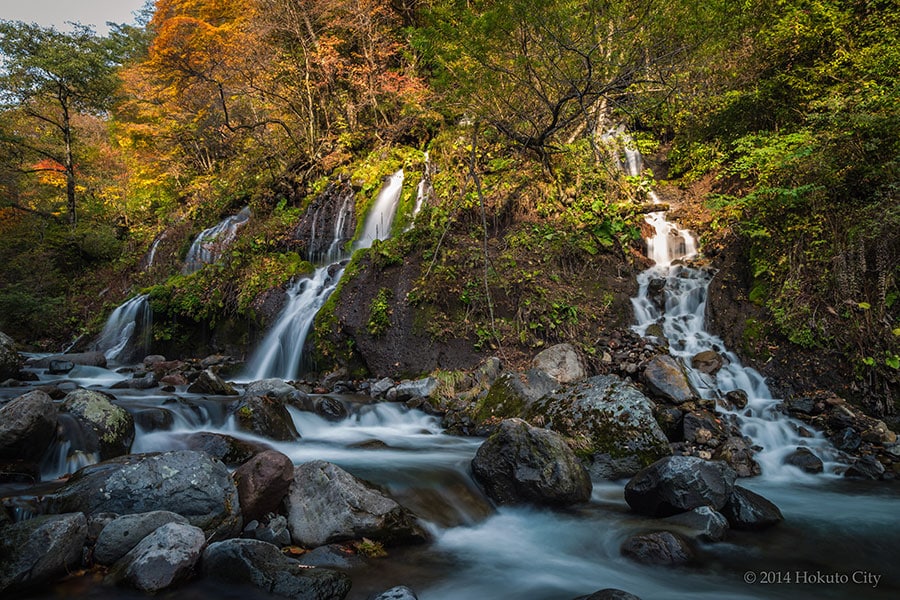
{"points": [[151, 254], [423, 191], [210, 243], [339, 236], [683, 320], [127, 330], [281, 350]]}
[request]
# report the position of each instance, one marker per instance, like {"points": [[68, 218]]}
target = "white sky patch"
{"points": [[57, 12]]}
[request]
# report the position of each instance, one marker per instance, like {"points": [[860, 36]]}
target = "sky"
{"points": [[57, 12]]}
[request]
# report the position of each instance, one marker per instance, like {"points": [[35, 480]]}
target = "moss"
{"points": [[380, 312], [501, 401]]}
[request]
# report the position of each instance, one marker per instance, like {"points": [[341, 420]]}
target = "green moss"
{"points": [[380, 312], [501, 401]]}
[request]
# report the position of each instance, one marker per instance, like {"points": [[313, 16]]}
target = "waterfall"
{"points": [[339, 236], [210, 243], [423, 190], [280, 352], [151, 254], [682, 318], [127, 331]]}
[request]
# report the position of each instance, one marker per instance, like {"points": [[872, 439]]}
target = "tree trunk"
{"points": [[70, 164]]}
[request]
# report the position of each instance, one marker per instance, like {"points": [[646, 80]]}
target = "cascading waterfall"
{"points": [[151, 254], [279, 354], [423, 191], [682, 318], [210, 243], [127, 331], [339, 236]]}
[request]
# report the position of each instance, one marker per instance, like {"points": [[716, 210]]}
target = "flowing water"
{"points": [[210, 243], [126, 334]]}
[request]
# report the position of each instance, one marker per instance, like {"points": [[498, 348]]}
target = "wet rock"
{"points": [[265, 416], [401, 592], [327, 504], [665, 377], [276, 389], [739, 455], [27, 426], [420, 388], [208, 382], [163, 558], [803, 406], [734, 400], [805, 460], [609, 594], [708, 361], [264, 566], [521, 463], [143, 382], [381, 387], [656, 291], [746, 510], [184, 482], [866, 467], [107, 428], [123, 533], [38, 551], [678, 484], [671, 421], [60, 367], [702, 523], [10, 359], [561, 362], [330, 408], [512, 394], [333, 556], [19, 471], [879, 433], [847, 440], [151, 360], [604, 415], [153, 419], [263, 482], [86, 359], [273, 530], [604, 466], [173, 379], [658, 548], [230, 450], [703, 427]]}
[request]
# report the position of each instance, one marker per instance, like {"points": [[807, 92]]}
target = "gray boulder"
{"points": [[252, 562], [184, 482], [27, 426], [267, 417], [163, 558], [381, 387], [107, 429], [708, 361], [561, 362], [230, 450], [512, 394], [748, 511], [401, 592], [420, 388], [678, 484], [86, 359], [123, 533], [277, 389], [327, 504], [739, 455], [658, 548], [210, 383], [702, 523], [263, 482], [665, 377], [275, 531], [609, 594], [805, 460], [604, 415], [60, 367], [866, 467], [10, 359], [521, 463], [38, 551]]}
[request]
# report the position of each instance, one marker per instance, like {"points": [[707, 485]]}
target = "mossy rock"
{"points": [[107, 428]]}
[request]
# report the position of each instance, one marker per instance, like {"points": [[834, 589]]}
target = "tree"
{"points": [[48, 77]]}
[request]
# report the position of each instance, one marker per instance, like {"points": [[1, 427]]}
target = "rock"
{"points": [[230, 450], [330, 408], [85, 359], [381, 387], [735, 400], [604, 415], [60, 367], [702, 523], [333, 556], [163, 558], [604, 466], [123, 533], [708, 361], [267, 417], [665, 377], [420, 388], [27, 426], [521, 463], [276, 389], [739, 455], [879, 434], [152, 360], [678, 484], [866, 467], [658, 548], [748, 511], [18, 471], [512, 394], [401, 592], [210, 383], [327, 504], [143, 382], [560, 362], [38, 551], [263, 482], [275, 531], [847, 440], [703, 427], [656, 291], [264, 566], [184, 482], [10, 359], [108, 429], [609, 594], [805, 460]]}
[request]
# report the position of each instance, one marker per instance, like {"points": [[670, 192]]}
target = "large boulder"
{"points": [[400, 592], [658, 548], [123, 533], [274, 388], [210, 383], [267, 417], [10, 359], [708, 361], [185, 482], [163, 558], [702, 523], [27, 426], [107, 429], [252, 562], [230, 450], [263, 482], [665, 377], [746, 510], [521, 463], [604, 415], [38, 551], [86, 359], [561, 362], [419, 388], [512, 394], [678, 484], [327, 504], [804, 459]]}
